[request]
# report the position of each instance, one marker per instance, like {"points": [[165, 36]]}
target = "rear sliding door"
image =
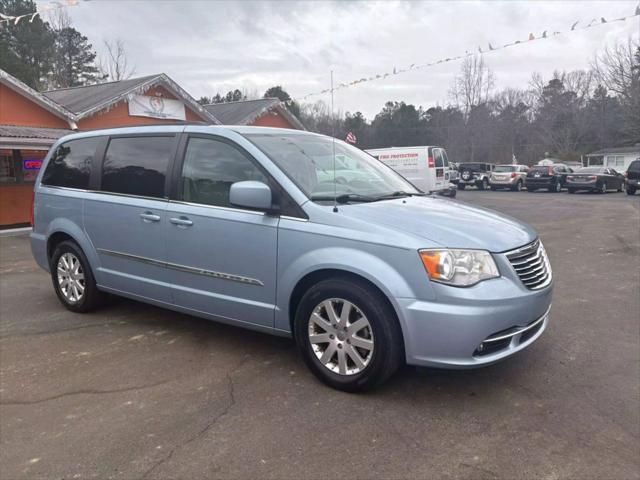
{"points": [[125, 219]]}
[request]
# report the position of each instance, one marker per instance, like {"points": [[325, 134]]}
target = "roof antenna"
{"points": [[333, 143]]}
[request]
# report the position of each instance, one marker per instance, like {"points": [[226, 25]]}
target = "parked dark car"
{"points": [[595, 179], [476, 174], [550, 177], [633, 177]]}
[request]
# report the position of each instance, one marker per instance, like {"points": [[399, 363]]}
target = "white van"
{"points": [[426, 167]]}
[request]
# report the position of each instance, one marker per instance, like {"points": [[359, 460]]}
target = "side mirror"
{"points": [[251, 194]]}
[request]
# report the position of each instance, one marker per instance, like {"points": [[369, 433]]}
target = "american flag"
{"points": [[351, 138]]}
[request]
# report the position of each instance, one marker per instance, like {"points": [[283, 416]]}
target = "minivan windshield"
{"points": [[308, 161]]}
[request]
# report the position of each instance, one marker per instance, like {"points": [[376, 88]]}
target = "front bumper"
{"points": [[450, 332]]}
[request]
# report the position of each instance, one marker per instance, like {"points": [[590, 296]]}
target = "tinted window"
{"points": [[137, 165], [70, 164], [634, 166], [437, 155], [446, 158], [210, 167]]}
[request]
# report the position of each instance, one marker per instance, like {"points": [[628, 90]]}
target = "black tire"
{"points": [[556, 187], [631, 190], [461, 186], [517, 187], [571, 190], [388, 351], [91, 297]]}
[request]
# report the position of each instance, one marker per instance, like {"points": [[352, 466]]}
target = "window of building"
{"points": [[31, 163], [70, 165], [210, 167], [137, 166], [7, 167], [615, 160]]}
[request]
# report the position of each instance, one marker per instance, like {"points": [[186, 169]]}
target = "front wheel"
{"points": [[348, 336], [73, 279], [631, 190]]}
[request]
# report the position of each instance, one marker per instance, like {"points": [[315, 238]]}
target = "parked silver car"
{"points": [[245, 226], [508, 176]]}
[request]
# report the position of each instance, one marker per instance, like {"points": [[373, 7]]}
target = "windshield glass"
{"points": [[504, 168], [308, 161]]}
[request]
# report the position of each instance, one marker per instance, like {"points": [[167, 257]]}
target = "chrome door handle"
{"points": [[181, 222], [150, 217]]}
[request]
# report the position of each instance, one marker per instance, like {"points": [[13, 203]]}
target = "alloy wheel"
{"points": [[341, 337], [70, 277]]}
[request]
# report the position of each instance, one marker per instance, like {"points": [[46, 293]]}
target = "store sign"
{"points": [[156, 107], [28, 164]]}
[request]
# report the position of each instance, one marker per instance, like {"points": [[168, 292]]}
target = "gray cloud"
{"points": [[210, 46]]}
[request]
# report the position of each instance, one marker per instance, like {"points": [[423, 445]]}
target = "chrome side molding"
{"points": [[184, 268]]}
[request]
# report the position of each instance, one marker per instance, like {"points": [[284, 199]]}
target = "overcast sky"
{"points": [[214, 46]]}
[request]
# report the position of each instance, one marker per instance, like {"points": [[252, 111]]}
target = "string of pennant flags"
{"points": [[30, 17], [575, 26]]}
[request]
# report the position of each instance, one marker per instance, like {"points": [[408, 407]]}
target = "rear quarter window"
{"points": [[70, 164]]}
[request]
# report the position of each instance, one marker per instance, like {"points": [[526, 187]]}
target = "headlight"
{"points": [[461, 268]]}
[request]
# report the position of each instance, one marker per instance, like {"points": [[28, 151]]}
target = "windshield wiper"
{"points": [[344, 198], [398, 194]]}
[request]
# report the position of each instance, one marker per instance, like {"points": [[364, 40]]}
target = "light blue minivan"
{"points": [[250, 226]]}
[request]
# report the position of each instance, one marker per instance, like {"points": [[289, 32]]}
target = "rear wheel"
{"points": [[348, 336], [556, 187], [517, 187], [631, 190], [461, 186], [484, 184], [73, 279]]}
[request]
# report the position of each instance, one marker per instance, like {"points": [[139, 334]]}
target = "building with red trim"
{"points": [[31, 121]]}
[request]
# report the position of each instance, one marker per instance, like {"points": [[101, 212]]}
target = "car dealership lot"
{"points": [[134, 391]]}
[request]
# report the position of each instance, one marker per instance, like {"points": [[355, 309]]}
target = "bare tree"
{"points": [[473, 85], [114, 65], [617, 68]]}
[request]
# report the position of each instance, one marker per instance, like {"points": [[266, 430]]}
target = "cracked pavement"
{"points": [[134, 391]]}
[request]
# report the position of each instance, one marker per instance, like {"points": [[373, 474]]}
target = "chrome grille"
{"points": [[532, 265]]}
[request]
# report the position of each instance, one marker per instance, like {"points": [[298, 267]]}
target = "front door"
{"points": [[125, 219], [222, 259]]}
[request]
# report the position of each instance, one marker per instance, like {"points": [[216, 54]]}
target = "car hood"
{"points": [[448, 223]]}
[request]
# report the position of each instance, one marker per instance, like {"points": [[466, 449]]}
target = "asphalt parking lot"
{"points": [[133, 391]]}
